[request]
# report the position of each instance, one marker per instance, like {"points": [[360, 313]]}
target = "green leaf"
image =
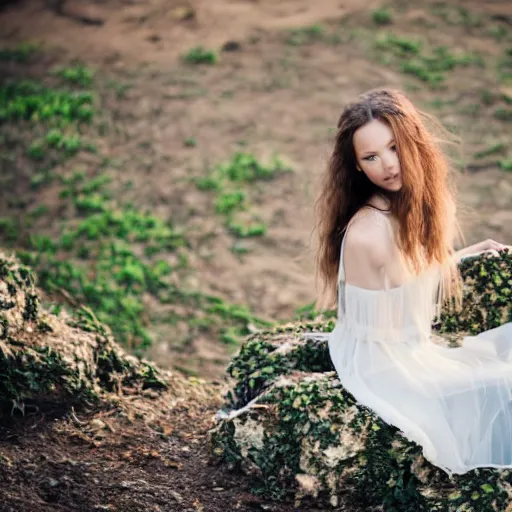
{"points": [[487, 488]]}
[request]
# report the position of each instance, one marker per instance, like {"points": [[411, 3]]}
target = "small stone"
{"points": [[53, 483], [231, 46], [97, 424], [183, 13]]}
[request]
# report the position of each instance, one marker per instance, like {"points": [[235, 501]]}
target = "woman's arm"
{"points": [[488, 245]]}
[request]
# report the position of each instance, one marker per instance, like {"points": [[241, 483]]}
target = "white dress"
{"points": [[454, 402]]}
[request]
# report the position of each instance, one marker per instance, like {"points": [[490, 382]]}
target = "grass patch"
{"points": [[505, 66], [457, 15], [109, 258], [505, 165], [228, 180], [190, 142], [441, 103], [106, 255], [411, 58], [120, 88], [491, 150], [54, 116], [382, 16], [487, 97], [68, 145], [31, 101], [21, 53], [305, 35], [76, 75], [9, 229], [93, 260], [503, 114], [247, 230], [498, 32], [400, 46], [200, 55]]}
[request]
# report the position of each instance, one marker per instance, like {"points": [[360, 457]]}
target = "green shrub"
{"points": [[382, 16], [79, 75], [19, 54], [32, 101], [200, 55]]}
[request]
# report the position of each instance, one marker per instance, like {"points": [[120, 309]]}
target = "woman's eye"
{"points": [[369, 158], [393, 147]]}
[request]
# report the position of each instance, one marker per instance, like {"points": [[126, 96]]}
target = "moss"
{"points": [[267, 355], [487, 295]]}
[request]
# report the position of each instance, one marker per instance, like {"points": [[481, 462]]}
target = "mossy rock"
{"points": [[69, 356], [307, 436], [289, 422]]}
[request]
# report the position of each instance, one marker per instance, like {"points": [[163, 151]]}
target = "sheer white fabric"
{"points": [[454, 402]]}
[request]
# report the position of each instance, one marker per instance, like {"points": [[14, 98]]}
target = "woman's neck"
{"points": [[379, 202]]}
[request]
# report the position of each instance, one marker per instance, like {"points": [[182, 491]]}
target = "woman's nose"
{"points": [[388, 161]]}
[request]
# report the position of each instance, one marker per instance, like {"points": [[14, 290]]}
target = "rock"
{"points": [[97, 424], [231, 46], [44, 356], [183, 13], [289, 423]]}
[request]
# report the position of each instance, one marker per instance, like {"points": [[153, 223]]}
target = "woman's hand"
{"points": [[488, 245]]}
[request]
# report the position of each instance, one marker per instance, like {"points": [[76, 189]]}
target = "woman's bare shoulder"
{"points": [[369, 236]]}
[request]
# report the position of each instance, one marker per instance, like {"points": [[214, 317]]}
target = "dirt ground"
{"points": [[87, 459], [276, 98]]}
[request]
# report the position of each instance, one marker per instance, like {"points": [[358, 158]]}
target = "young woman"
{"points": [[386, 225]]}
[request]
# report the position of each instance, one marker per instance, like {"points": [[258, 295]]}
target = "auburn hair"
{"points": [[424, 207]]}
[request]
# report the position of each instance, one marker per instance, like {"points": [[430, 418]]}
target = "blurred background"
{"points": [[159, 159]]}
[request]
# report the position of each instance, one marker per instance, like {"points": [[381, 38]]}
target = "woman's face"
{"points": [[376, 156]]}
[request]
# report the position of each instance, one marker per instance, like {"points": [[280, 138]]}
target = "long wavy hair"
{"points": [[424, 207]]}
